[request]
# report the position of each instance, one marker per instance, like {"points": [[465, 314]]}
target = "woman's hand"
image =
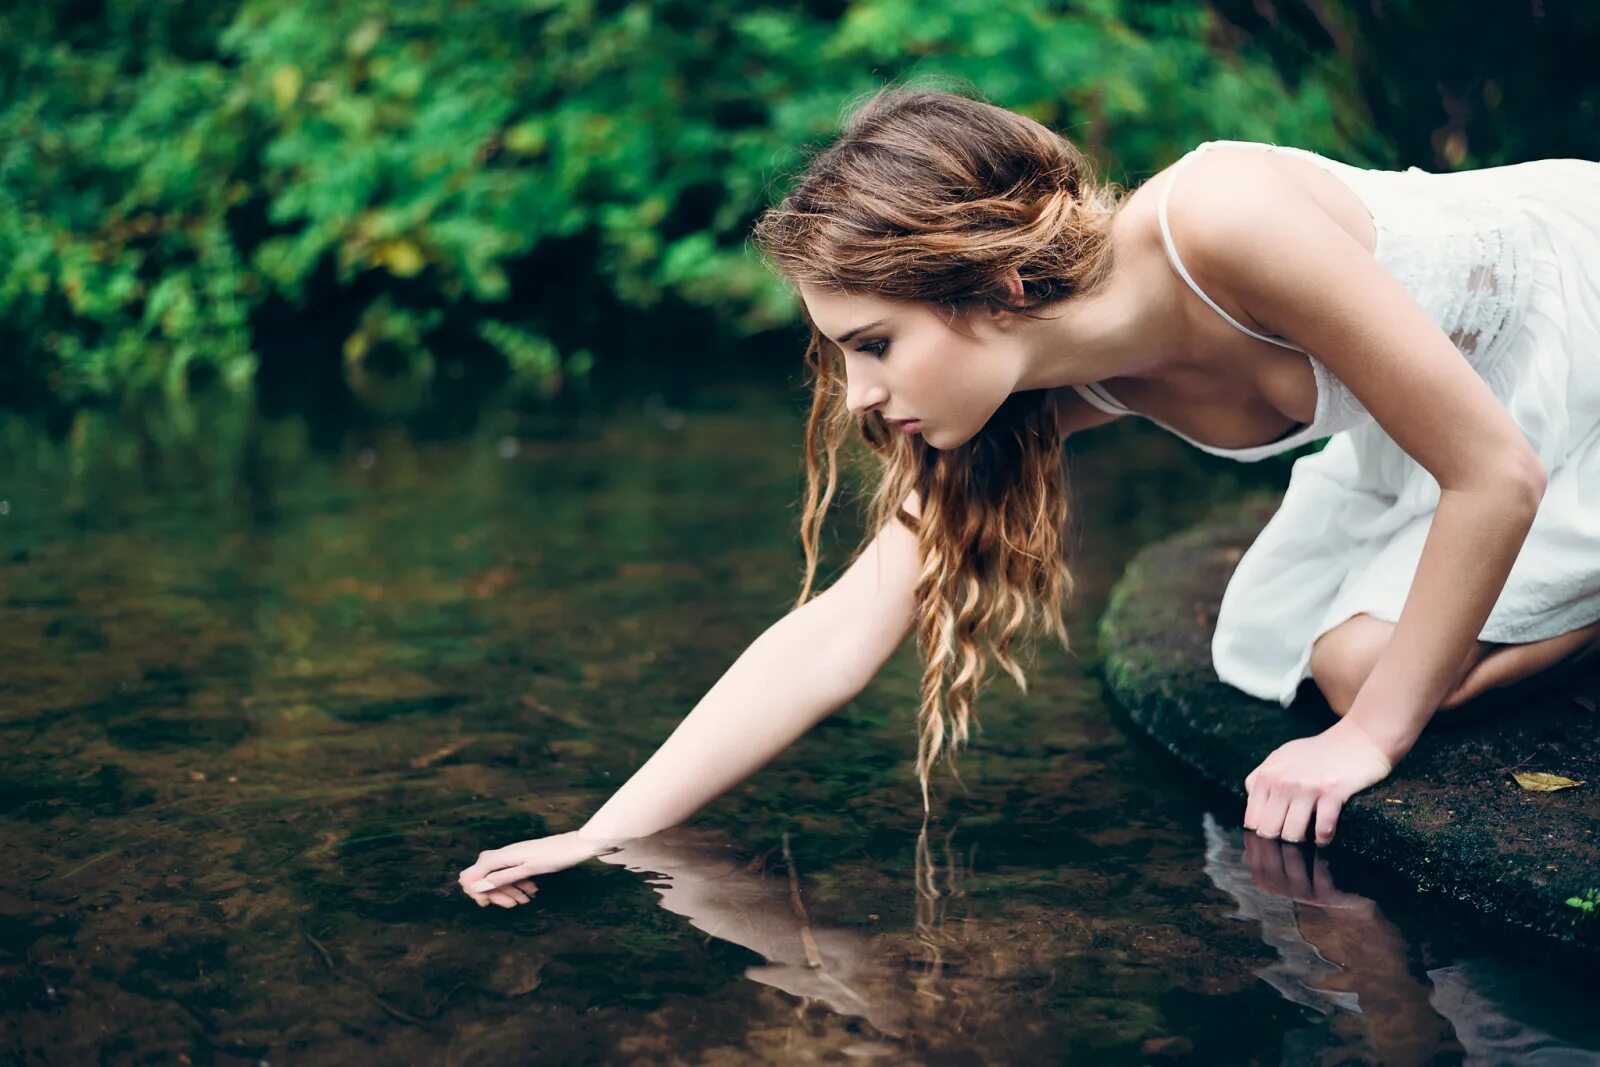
{"points": [[1311, 774], [504, 876]]}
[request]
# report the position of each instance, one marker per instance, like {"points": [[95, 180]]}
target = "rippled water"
{"points": [[266, 691]]}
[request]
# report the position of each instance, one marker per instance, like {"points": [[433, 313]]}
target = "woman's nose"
{"points": [[862, 398]]}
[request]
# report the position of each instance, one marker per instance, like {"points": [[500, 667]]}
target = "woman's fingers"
{"points": [[1253, 805], [507, 896], [488, 863], [494, 897], [505, 876], [523, 890], [501, 879], [1273, 811], [1297, 819], [1327, 818], [474, 882], [479, 879]]}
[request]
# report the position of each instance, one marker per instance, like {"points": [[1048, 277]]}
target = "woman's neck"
{"points": [[1132, 326]]}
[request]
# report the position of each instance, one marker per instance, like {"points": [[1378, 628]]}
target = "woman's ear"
{"points": [[1010, 291], [1013, 284]]}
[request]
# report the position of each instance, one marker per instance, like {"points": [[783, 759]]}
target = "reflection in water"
{"points": [[933, 905], [1474, 995], [949, 973], [742, 903], [1300, 969], [1340, 956], [264, 696]]}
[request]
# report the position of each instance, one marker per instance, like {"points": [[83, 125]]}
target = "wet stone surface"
{"points": [[1450, 821]]}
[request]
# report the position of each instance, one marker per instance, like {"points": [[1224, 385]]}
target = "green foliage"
{"points": [[157, 193], [1587, 902]]}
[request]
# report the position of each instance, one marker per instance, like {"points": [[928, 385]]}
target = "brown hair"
{"points": [[936, 196]]}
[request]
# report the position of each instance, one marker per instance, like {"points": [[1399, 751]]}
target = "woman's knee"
{"points": [[1343, 657]]}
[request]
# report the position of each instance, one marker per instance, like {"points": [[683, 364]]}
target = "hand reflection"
{"points": [[1337, 952], [1279, 868], [703, 881]]}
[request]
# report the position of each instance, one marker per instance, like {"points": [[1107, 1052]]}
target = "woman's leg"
{"points": [[1511, 663], [1342, 658]]}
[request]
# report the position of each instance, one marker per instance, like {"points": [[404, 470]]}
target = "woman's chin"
{"points": [[942, 441]]}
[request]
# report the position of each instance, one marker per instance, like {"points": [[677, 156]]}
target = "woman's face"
{"points": [[904, 362]]}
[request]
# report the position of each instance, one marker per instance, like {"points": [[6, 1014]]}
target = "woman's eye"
{"points": [[882, 344]]}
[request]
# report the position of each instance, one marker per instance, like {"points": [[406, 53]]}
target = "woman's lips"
{"points": [[910, 426]]}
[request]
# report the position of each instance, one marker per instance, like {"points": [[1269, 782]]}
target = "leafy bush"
{"points": [[169, 171]]}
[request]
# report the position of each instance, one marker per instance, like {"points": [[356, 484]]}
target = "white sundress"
{"points": [[1506, 260]]}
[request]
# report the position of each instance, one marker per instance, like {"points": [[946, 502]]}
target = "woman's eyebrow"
{"points": [[844, 338]]}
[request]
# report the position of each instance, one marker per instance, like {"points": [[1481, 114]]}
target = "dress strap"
{"points": [[1098, 397], [1172, 252]]}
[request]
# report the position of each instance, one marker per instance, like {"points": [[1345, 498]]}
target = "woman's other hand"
{"points": [[1312, 775], [504, 876]]}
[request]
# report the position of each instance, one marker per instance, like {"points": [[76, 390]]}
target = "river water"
{"points": [[269, 685]]}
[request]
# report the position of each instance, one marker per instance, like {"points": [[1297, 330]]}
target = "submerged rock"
{"points": [[1451, 818]]}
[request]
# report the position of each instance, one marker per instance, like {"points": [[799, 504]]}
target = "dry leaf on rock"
{"points": [[1539, 782]]}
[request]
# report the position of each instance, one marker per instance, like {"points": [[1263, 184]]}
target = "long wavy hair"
{"points": [[935, 196]]}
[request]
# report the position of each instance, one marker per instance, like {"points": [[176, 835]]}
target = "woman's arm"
{"points": [[798, 671], [1277, 255], [1473, 540], [804, 667]]}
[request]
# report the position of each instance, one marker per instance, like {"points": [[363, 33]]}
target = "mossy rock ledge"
{"points": [[1450, 819]]}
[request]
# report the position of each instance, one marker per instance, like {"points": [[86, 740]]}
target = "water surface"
{"points": [[268, 688]]}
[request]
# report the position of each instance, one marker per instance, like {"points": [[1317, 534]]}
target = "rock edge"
{"points": [[1450, 819]]}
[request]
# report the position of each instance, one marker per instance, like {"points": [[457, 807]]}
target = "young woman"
{"points": [[975, 294]]}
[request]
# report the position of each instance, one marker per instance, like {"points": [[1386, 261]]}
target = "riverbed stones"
{"points": [[1450, 819]]}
